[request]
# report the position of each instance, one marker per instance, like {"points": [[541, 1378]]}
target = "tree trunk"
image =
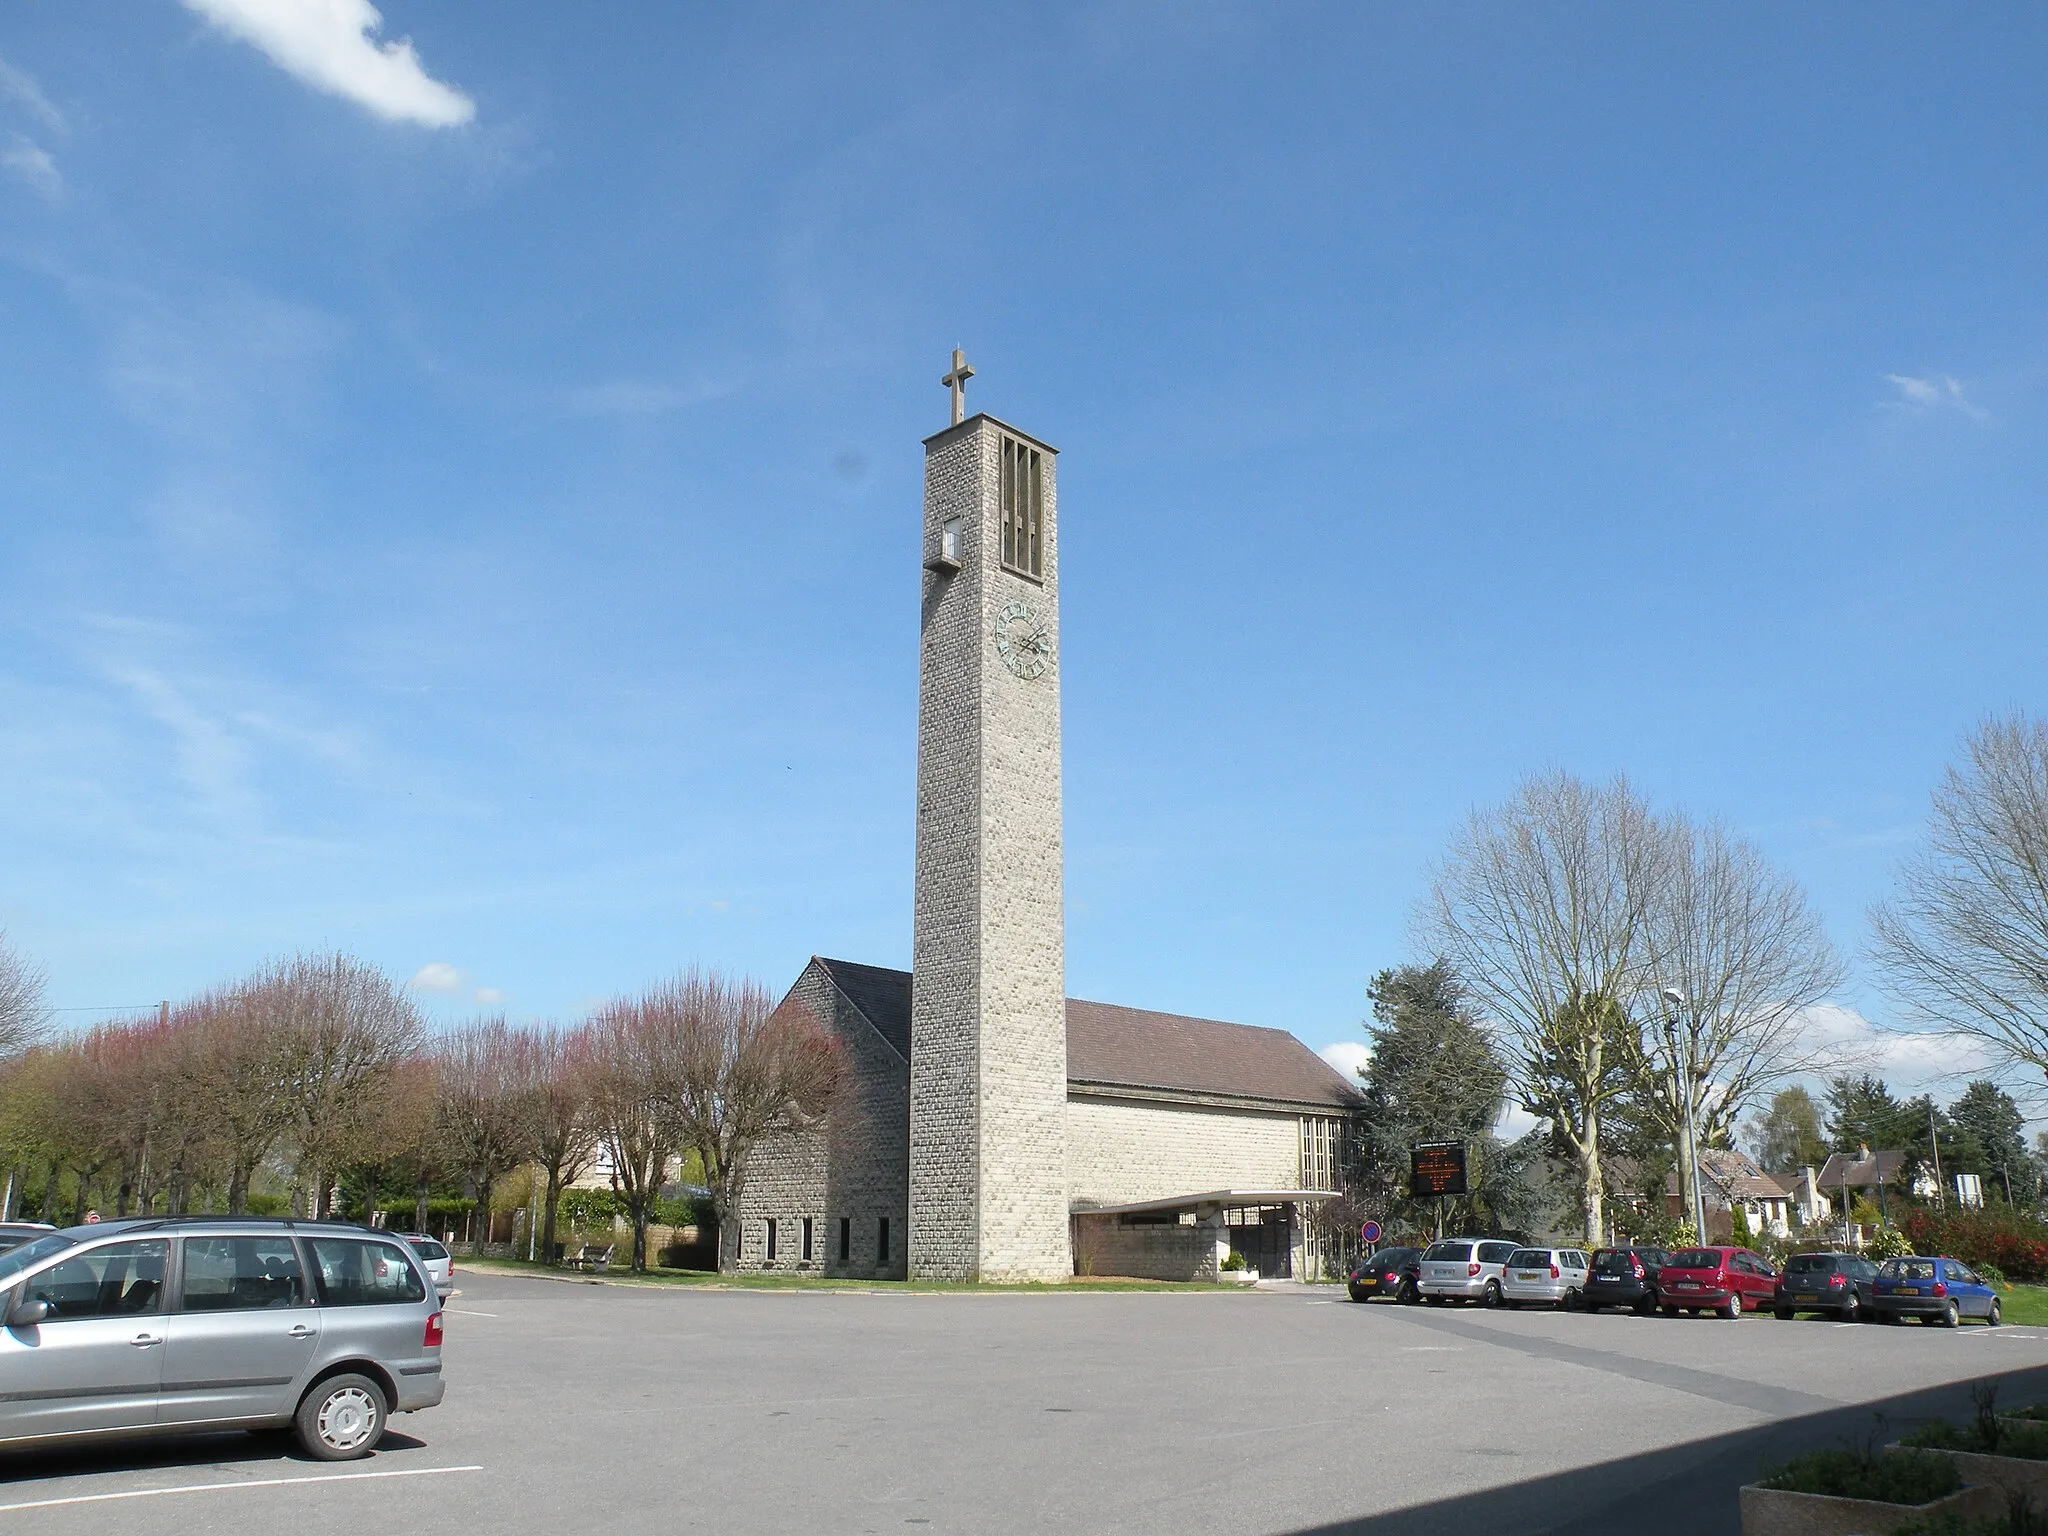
{"points": [[639, 1212], [419, 1204], [1594, 1189], [483, 1230], [49, 1196], [238, 1189], [547, 1227]]}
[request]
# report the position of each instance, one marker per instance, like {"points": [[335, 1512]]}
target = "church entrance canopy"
{"points": [[1225, 1199]]}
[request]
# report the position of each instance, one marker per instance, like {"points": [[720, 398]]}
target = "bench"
{"points": [[592, 1256]]}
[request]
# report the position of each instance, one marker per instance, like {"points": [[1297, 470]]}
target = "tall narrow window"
{"points": [[1023, 509], [807, 1239], [882, 1242], [771, 1240], [846, 1239]]}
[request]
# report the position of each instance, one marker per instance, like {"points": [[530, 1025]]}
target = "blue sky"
{"points": [[461, 505]]}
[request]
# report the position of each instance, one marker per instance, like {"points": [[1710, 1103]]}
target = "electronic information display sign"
{"points": [[1436, 1168]]}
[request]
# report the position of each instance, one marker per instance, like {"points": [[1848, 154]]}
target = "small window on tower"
{"points": [[882, 1240], [845, 1239], [1023, 498], [771, 1240]]}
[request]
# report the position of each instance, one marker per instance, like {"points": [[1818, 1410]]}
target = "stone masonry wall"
{"points": [[1124, 1150], [988, 1053], [1104, 1246], [855, 1168]]}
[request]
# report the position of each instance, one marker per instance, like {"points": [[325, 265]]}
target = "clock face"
{"points": [[1023, 641]]}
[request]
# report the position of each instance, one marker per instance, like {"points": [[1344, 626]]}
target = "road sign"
{"points": [[1436, 1168], [1369, 1233]]}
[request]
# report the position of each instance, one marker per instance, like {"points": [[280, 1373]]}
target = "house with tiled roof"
{"points": [[1731, 1182]]}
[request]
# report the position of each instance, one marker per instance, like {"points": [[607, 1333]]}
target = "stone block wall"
{"points": [[1105, 1245], [854, 1168], [1123, 1150]]}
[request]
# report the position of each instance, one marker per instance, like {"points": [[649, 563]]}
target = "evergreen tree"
{"points": [[1863, 1113], [1996, 1132]]}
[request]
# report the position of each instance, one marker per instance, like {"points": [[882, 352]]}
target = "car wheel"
{"points": [[1731, 1308], [1647, 1305], [341, 1418], [1434, 1301], [1783, 1314], [1995, 1316], [1670, 1311], [1573, 1301], [1852, 1309], [1358, 1295], [1950, 1316], [1408, 1295], [1490, 1297]]}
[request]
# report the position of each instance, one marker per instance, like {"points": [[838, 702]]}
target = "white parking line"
{"points": [[261, 1482], [465, 1312]]}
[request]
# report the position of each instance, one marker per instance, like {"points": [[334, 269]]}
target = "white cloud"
{"points": [[1515, 1122], [20, 86], [436, 976], [489, 995], [32, 163], [331, 45], [1935, 392], [1348, 1057]]}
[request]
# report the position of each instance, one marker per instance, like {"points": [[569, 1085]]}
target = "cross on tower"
{"points": [[956, 381]]}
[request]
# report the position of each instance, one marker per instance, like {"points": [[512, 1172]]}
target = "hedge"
{"points": [[2015, 1244]]}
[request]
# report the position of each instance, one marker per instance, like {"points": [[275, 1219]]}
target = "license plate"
{"points": [[1806, 1296], [1685, 1285], [1368, 1280], [1527, 1274]]}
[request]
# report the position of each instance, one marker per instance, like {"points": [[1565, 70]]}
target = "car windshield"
{"points": [[1894, 1269], [1694, 1258], [1529, 1258], [1393, 1256], [15, 1260], [1810, 1264], [1449, 1253], [1616, 1261]]}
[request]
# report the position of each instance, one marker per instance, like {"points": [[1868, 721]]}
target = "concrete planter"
{"points": [[1776, 1512], [1240, 1276], [2008, 1474]]}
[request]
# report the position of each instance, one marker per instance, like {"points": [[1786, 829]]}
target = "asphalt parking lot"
{"points": [[572, 1405]]}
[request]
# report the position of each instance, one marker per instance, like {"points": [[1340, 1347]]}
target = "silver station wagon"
{"points": [[195, 1323]]}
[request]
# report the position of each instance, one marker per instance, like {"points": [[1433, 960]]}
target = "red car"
{"points": [[1718, 1280]]}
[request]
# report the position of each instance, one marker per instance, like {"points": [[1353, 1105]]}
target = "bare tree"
{"points": [[1746, 954], [627, 1045], [744, 1071], [22, 1015], [487, 1107], [565, 1139], [1965, 942], [346, 1029], [243, 1064], [1541, 905]]}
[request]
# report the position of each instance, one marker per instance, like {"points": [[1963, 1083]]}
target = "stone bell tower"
{"points": [[988, 1039]]}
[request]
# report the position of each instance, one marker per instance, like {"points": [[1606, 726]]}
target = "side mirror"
{"points": [[26, 1314]]}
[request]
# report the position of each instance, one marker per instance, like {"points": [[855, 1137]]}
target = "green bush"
{"points": [[1890, 1243], [1234, 1262], [1894, 1477], [2013, 1244]]}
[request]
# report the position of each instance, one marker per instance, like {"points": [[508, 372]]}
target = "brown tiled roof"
{"points": [[1114, 1047], [1860, 1173]]}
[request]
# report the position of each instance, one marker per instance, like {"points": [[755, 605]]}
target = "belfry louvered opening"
{"points": [[1023, 489]]}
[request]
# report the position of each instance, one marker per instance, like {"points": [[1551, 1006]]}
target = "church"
{"points": [[991, 1127]]}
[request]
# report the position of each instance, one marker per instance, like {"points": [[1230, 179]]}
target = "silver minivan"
{"points": [[1463, 1269], [160, 1326]]}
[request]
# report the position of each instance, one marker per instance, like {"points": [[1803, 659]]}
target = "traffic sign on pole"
{"points": [[1369, 1233]]}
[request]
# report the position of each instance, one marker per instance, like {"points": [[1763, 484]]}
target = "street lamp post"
{"points": [[1682, 1060]]}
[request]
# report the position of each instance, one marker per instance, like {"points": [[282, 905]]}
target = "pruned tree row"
{"points": [[319, 1069]]}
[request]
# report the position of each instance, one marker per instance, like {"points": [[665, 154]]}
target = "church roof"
{"points": [[1113, 1047]]}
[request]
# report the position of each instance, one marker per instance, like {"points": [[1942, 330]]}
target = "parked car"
{"points": [[435, 1258], [1935, 1290], [1391, 1273], [1719, 1280], [1840, 1283], [161, 1325], [1544, 1277], [1624, 1277], [14, 1233], [1464, 1269]]}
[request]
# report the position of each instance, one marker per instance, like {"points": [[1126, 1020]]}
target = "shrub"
{"points": [[1895, 1477], [1234, 1262], [1890, 1243]]}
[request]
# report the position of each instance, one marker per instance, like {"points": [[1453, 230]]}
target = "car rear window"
{"points": [[1528, 1258], [1810, 1264], [1694, 1258], [1614, 1261], [427, 1248], [360, 1274], [1448, 1253], [1497, 1253], [1908, 1269]]}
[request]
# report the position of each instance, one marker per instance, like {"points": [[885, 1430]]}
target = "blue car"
{"points": [[1934, 1290]]}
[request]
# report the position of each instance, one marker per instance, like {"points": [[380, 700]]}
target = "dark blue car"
{"points": [[1935, 1290]]}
